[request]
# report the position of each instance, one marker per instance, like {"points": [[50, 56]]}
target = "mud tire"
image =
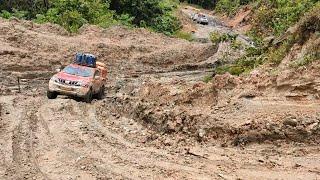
{"points": [[101, 94], [88, 97], [52, 95]]}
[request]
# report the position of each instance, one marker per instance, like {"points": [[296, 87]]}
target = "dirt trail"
{"points": [[65, 139], [159, 119], [202, 32]]}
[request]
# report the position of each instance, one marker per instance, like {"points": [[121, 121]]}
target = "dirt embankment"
{"points": [[159, 118], [224, 111]]}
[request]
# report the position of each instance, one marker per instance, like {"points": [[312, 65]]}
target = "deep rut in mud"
{"points": [[87, 146]]}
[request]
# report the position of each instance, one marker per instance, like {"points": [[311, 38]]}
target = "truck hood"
{"points": [[203, 19], [70, 77]]}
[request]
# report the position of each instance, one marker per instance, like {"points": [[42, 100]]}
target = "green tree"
{"points": [[156, 14], [72, 14]]}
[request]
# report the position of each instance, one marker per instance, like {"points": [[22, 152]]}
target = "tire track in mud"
{"points": [[113, 145], [24, 163], [63, 139], [65, 143], [3, 164], [134, 157], [90, 148]]}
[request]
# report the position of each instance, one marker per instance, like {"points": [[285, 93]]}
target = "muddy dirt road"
{"points": [[66, 139], [202, 32], [159, 119]]}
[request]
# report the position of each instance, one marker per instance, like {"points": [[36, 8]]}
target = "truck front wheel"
{"points": [[100, 95], [52, 95], [88, 97]]}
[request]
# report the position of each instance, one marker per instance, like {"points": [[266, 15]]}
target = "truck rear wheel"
{"points": [[52, 95]]}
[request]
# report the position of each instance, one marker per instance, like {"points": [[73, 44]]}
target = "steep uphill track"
{"points": [[203, 31]]}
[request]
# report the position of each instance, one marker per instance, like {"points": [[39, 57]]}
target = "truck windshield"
{"points": [[83, 72]]}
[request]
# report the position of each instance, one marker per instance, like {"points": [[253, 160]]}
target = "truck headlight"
{"points": [[54, 79], [83, 84]]}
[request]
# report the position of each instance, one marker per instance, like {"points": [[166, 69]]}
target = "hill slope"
{"points": [[159, 118]]}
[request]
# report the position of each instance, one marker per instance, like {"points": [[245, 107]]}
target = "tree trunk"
{"points": [[46, 4]]}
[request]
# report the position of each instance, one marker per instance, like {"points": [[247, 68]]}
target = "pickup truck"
{"points": [[79, 81]]}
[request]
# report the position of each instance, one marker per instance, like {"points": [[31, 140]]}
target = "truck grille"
{"points": [[71, 83]]}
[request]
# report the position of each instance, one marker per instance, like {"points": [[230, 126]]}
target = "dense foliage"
{"points": [[72, 14], [226, 6], [275, 17], [203, 3], [271, 19]]}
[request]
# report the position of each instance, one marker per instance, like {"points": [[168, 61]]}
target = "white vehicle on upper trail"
{"points": [[194, 16], [200, 18]]}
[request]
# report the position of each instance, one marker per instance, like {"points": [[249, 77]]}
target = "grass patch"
{"points": [[184, 35], [217, 37], [207, 78], [306, 60], [236, 44], [242, 65], [252, 59], [275, 17]]}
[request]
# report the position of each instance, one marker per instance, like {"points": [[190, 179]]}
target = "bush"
{"points": [[276, 54], [72, 14], [307, 26], [5, 14], [275, 17], [228, 7], [252, 59], [208, 4], [154, 14], [183, 35], [306, 60], [167, 24], [72, 20], [236, 44], [242, 65], [232, 69], [15, 13], [217, 37], [125, 19], [207, 78]]}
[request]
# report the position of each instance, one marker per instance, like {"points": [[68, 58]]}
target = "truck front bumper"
{"points": [[62, 89]]}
